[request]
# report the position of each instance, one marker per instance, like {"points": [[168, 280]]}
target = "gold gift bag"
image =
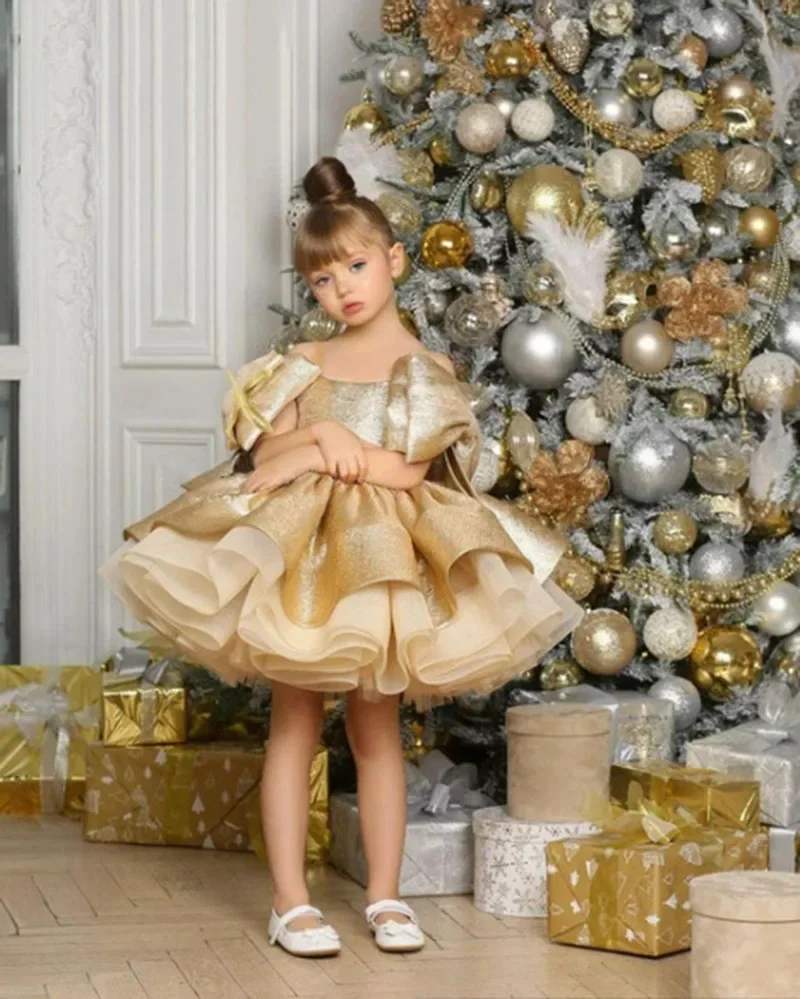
{"points": [[713, 798], [621, 891], [137, 713], [48, 715]]}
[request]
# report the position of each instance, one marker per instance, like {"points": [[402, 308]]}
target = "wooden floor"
{"points": [[92, 921]]}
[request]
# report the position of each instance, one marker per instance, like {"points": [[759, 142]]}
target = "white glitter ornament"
{"points": [[777, 612], [670, 634], [619, 174], [585, 423], [717, 562], [533, 119], [480, 128], [674, 110]]}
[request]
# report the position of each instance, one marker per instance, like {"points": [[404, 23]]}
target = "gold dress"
{"points": [[428, 592]]}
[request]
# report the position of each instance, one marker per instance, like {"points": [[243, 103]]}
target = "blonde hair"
{"points": [[337, 218]]}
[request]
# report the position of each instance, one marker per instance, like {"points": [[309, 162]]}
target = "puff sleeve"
{"points": [[428, 413], [259, 391]]}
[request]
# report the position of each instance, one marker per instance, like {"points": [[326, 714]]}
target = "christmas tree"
{"points": [[598, 202]]}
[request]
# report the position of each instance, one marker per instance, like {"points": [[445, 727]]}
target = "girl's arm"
{"points": [[390, 469]]}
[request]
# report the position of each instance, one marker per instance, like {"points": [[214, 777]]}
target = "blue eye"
{"points": [[320, 282]]}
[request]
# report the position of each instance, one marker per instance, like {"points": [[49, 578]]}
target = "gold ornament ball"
{"points": [[761, 224], [643, 78], [736, 90], [548, 190], [486, 192], [748, 169], [446, 244], [560, 673], [725, 658], [417, 167], [397, 15], [366, 116], [574, 577], [694, 49], [402, 212], [760, 277], [688, 404], [508, 59], [674, 532], [611, 18], [440, 152], [706, 167], [646, 347], [543, 285], [604, 642]]}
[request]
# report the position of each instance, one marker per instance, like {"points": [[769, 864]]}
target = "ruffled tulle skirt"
{"points": [[332, 587]]}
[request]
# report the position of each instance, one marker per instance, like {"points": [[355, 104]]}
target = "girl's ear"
{"points": [[397, 260]]}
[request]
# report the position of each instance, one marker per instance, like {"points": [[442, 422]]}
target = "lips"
{"points": [[352, 307]]}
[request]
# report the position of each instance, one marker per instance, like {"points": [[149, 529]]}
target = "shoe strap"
{"points": [[389, 905], [290, 916]]}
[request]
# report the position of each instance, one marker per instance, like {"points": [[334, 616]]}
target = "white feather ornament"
{"points": [[771, 461], [783, 66], [581, 259], [367, 162]]}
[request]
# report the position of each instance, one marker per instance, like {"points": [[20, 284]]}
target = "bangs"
{"points": [[325, 237]]}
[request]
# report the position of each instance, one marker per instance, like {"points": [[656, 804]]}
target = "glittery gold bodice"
{"points": [[359, 406]]}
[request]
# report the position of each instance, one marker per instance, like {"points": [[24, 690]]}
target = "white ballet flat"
{"points": [[319, 941], [393, 936]]}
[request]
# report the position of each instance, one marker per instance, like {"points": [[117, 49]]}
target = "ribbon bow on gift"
{"points": [[642, 821], [136, 664], [437, 785]]}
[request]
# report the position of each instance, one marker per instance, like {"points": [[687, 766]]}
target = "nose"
{"points": [[342, 285]]}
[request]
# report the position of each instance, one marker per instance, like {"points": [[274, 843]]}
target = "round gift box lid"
{"points": [[748, 896], [496, 824], [558, 719]]}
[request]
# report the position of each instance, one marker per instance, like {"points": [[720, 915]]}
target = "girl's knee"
{"points": [[372, 727]]}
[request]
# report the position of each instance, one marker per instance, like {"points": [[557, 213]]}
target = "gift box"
{"points": [[711, 797], [48, 715], [144, 707], [510, 861], [784, 850], [220, 712], [180, 795], [627, 889], [760, 752], [642, 727], [438, 856]]}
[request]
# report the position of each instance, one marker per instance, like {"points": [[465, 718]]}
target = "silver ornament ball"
{"points": [[673, 241], [533, 119], [613, 104], [777, 612], [585, 423], [718, 222], [471, 321], [786, 337], [403, 74], [480, 128], [670, 634], [619, 174], [684, 697], [655, 465], [725, 32], [717, 562], [541, 355]]}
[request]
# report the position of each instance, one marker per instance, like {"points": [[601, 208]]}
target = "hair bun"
{"points": [[329, 181]]}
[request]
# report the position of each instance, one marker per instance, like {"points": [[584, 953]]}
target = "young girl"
{"points": [[350, 555]]}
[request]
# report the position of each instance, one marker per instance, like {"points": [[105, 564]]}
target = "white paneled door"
{"points": [[158, 143]]}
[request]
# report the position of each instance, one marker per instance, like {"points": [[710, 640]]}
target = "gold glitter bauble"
{"points": [[548, 190], [402, 212], [733, 91], [508, 59], [417, 167], [689, 404], [643, 78], [604, 642], [694, 49], [723, 659], [704, 166], [366, 116], [567, 42], [748, 169], [674, 532], [486, 192], [408, 321], [446, 244], [760, 277], [397, 15], [439, 150], [761, 224], [574, 577], [560, 673]]}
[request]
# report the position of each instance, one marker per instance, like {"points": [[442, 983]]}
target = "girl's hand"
{"points": [[342, 451], [284, 468]]}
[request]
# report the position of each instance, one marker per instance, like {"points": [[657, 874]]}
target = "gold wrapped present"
{"points": [[182, 795], [48, 715], [627, 889], [713, 798], [137, 712], [319, 832]]}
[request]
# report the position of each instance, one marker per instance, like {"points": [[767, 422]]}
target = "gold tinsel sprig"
{"points": [[447, 25], [562, 485]]}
